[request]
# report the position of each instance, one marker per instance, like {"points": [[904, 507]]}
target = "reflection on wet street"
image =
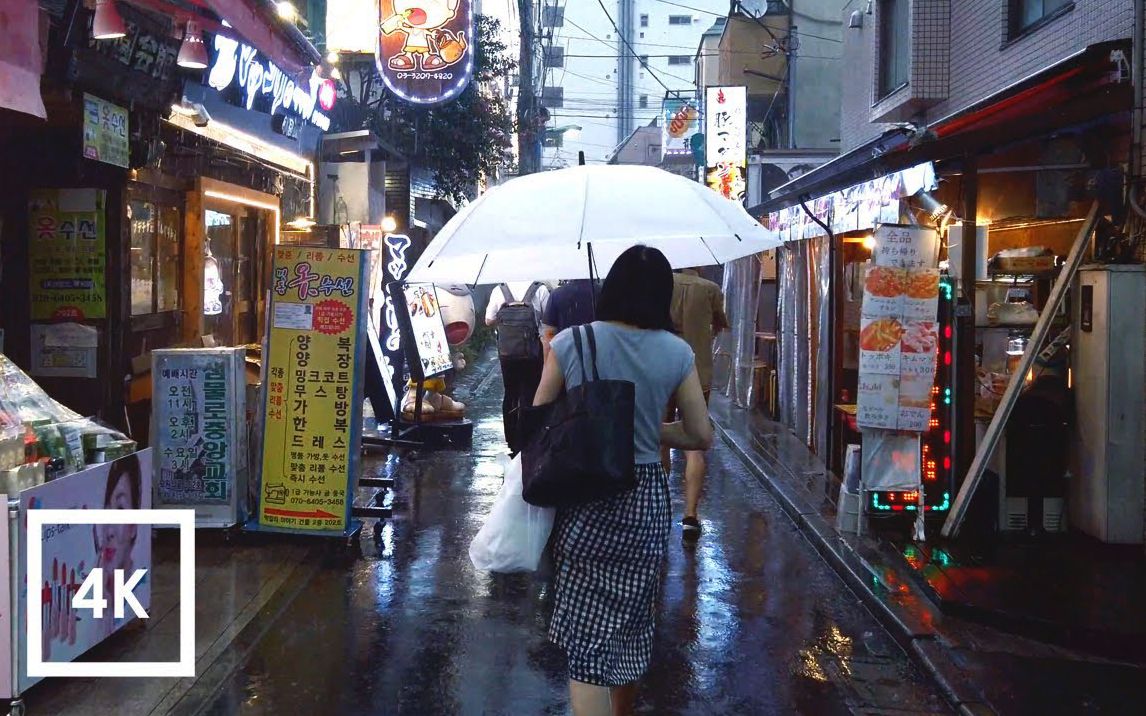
{"points": [[752, 621]]}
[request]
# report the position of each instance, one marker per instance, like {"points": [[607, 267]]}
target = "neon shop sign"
{"points": [[239, 73]]}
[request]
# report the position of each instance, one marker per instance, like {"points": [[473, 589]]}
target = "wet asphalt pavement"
{"points": [[751, 620]]}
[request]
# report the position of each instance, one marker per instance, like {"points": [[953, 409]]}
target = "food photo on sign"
{"points": [[425, 48], [428, 329]]}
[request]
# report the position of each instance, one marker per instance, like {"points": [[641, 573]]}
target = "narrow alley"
{"points": [[752, 621]]}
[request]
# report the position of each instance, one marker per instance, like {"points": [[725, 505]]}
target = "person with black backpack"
{"points": [[516, 310]]}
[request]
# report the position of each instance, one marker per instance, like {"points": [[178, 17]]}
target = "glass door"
{"points": [[219, 276]]}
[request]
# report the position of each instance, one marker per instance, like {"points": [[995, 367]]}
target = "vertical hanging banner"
{"points": [[312, 410], [725, 136], [67, 254], [899, 332], [425, 48], [680, 120]]}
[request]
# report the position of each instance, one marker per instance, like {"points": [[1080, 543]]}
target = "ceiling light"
{"points": [[332, 57], [301, 223], [287, 11], [869, 242], [389, 224], [107, 23], [192, 53]]}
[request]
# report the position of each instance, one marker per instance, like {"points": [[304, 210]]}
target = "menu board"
{"points": [[198, 428], [428, 331], [312, 412], [899, 333]]}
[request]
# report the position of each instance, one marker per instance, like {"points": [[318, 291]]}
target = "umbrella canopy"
{"points": [[543, 226]]}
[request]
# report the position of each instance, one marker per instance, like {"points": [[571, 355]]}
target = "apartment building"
{"points": [[608, 65]]}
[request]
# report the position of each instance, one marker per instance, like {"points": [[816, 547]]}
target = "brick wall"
{"points": [[982, 60]]}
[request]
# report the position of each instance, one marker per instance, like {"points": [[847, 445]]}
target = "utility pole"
{"points": [[526, 97]]}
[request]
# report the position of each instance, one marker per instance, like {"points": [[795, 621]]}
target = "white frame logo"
{"points": [[185, 520]]}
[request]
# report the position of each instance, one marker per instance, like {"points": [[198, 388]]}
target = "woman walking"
{"points": [[608, 554]]}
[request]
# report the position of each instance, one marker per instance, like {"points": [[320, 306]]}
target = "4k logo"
{"points": [[104, 590], [90, 595]]}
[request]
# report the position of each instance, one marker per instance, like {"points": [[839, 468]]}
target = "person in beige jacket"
{"points": [[698, 316]]}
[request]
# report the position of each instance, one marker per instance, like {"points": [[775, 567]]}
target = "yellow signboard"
{"points": [[312, 409]]}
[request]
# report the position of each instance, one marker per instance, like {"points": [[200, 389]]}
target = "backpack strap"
{"points": [[533, 288], [506, 292], [592, 349]]}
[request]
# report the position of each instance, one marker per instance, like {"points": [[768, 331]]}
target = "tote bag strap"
{"points": [[592, 349], [581, 352]]}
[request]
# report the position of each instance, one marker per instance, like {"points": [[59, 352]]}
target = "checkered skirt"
{"points": [[608, 557]]}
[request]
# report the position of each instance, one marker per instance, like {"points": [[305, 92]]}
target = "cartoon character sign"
{"points": [[425, 52]]}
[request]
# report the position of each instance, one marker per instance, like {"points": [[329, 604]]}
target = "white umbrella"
{"points": [[544, 226]]}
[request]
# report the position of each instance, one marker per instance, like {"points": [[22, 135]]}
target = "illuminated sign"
{"points": [[680, 121], [725, 135], [245, 78], [394, 268], [425, 48]]}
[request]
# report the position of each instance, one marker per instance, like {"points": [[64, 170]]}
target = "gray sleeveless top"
{"points": [[657, 362]]}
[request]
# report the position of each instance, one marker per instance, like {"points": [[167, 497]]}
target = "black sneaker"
{"points": [[690, 529]]}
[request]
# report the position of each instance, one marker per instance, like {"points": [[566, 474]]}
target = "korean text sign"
{"points": [[198, 432], [105, 131], [725, 138], [312, 412], [67, 254]]}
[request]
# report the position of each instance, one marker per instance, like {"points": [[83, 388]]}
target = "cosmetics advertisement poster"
{"points": [[70, 552]]}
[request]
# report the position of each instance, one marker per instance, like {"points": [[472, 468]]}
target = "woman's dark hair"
{"points": [[125, 467], [638, 290]]}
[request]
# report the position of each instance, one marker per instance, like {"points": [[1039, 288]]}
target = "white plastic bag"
{"points": [[515, 533]]}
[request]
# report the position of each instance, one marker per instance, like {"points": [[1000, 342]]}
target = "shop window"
{"points": [[894, 45], [680, 60], [155, 274], [1026, 15]]}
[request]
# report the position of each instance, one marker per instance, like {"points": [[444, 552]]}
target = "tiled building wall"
{"points": [[982, 60]]}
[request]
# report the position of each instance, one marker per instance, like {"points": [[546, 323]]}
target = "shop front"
{"points": [[141, 207], [1033, 401]]}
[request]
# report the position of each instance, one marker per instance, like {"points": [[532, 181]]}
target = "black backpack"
{"points": [[518, 327]]}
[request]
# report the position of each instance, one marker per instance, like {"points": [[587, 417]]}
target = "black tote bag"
{"points": [[579, 448]]}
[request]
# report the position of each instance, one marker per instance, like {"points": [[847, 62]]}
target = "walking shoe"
{"points": [[690, 529]]}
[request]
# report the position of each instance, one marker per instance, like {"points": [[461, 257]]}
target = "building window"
{"points": [[643, 101], [894, 45], [555, 57], [1024, 15], [680, 60], [155, 274], [553, 97], [644, 19], [680, 19], [553, 16]]}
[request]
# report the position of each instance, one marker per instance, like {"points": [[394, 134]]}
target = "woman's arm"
{"points": [[552, 381], [694, 430]]}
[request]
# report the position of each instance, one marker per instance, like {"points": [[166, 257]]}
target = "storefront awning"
{"points": [[21, 59], [1080, 88]]}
